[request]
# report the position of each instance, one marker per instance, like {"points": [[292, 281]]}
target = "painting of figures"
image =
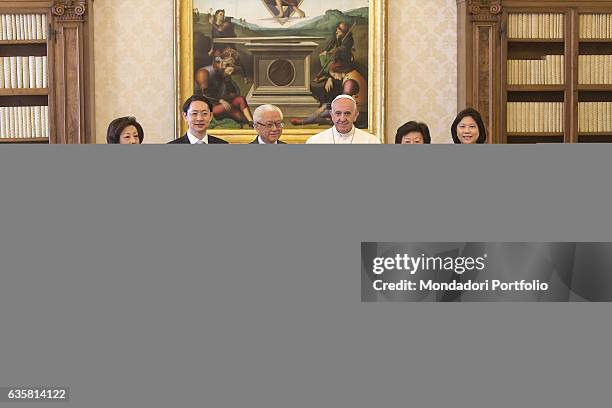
{"points": [[295, 54]]}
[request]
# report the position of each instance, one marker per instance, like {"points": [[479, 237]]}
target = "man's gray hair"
{"points": [[259, 112]]}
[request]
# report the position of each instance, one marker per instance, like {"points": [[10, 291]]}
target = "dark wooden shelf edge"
{"points": [[594, 88], [543, 134], [535, 88], [24, 140], [595, 40], [537, 40], [22, 42], [24, 91]]}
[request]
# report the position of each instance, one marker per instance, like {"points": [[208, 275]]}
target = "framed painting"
{"points": [[295, 54]]}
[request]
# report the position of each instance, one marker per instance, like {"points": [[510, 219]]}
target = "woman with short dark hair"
{"points": [[468, 128], [413, 133], [124, 130]]}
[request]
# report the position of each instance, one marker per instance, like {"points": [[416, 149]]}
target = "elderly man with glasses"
{"points": [[268, 123]]}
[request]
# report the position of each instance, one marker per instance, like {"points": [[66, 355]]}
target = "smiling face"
{"points": [[269, 127], [198, 118], [344, 114], [129, 135], [467, 131]]}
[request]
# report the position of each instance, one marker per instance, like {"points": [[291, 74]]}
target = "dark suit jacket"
{"points": [[185, 140], [257, 142]]}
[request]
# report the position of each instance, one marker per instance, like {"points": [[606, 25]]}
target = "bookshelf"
{"points": [[594, 76], [44, 71], [533, 76], [24, 91], [539, 71]]}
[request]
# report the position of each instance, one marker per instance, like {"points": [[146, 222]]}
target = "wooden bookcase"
{"points": [[599, 88], [66, 95], [489, 37]]}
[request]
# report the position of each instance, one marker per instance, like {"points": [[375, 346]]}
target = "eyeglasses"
{"points": [[272, 125], [195, 114]]}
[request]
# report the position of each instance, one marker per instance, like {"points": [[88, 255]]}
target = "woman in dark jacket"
{"points": [[468, 128]]}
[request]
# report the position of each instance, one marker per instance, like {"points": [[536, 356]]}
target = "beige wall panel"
{"points": [[134, 65], [422, 67]]}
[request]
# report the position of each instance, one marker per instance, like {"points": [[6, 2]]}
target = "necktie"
{"points": [[200, 142]]}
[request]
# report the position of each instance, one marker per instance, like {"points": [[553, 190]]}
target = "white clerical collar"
{"points": [[262, 142], [343, 137], [195, 140]]}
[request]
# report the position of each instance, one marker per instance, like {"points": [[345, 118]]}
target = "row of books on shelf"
{"points": [[595, 69], [535, 117], [550, 70], [596, 26], [536, 25], [21, 27], [23, 72], [24, 121], [595, 117]]}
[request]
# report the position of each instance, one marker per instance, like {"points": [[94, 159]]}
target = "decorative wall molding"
{"points": [[485, 8], [479, 22], [70, 32], [70, 10]]}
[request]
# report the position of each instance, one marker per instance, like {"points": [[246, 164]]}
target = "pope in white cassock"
{"points": [[344, 114]]}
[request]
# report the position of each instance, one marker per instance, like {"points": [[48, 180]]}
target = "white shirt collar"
{"points": [[262, 142], [194, 140], [343, 137]]}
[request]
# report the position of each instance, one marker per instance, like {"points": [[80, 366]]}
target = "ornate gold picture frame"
{"points": [[287, 57]]}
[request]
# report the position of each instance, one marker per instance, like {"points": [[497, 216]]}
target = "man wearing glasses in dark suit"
{"points": [[197, 111], [268, 123]]}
